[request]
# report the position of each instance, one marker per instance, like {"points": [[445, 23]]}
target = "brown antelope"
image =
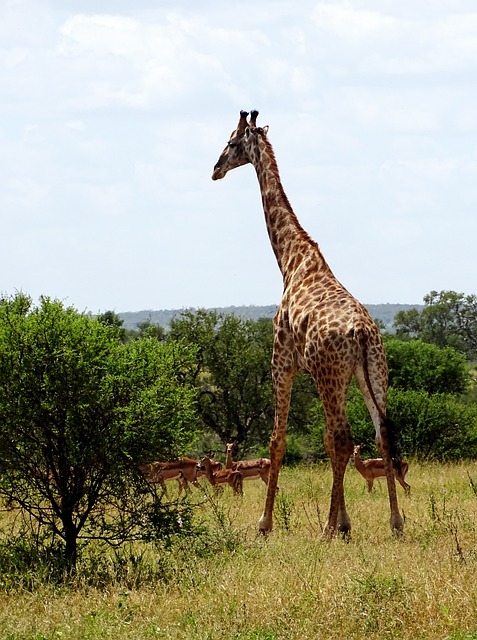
{"points": [[222, 476], [373, 469], [250, 469], [215, 466], [183, 470]]}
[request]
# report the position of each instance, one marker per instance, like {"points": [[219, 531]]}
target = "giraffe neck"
{"points": [[290, 242]]}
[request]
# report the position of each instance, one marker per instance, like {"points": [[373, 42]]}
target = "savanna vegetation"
{"points": [[89, 548], [223, 581]]}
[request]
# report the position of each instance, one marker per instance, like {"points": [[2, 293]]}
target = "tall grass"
{"points": [[230, 583]]}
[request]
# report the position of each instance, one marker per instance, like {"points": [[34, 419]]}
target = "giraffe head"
{"points": [[238, 149]]}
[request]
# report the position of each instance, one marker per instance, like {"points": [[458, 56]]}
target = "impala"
{"points": [[183, 470], [250, 469], [214, 466], [373, 468], [222, 476]]}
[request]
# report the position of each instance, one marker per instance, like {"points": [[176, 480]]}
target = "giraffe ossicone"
{"points": [[320, 328]]}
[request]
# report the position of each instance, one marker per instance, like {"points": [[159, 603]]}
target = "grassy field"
{"points": [[233, 584]]}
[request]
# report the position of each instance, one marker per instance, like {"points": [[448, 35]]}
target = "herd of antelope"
{"points": [[188, 471]]}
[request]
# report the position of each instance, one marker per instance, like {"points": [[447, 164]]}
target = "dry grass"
{"points": [[291, 585]]}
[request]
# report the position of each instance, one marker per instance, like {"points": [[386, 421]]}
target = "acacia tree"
{"points": [[78, 411], [235, 398]]}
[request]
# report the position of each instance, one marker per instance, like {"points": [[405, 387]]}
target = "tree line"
{"points": [[83, 402]]}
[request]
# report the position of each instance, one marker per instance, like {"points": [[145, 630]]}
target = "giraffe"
{"points": [[320, 328]]}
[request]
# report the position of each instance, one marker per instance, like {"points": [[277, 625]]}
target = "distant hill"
{"points": [[131, 319]]}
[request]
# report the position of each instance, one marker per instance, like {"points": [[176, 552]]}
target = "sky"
{"points": [[113, 114]]}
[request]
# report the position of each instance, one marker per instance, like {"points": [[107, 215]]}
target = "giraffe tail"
{"points": [[394, 445], [389, 432]]}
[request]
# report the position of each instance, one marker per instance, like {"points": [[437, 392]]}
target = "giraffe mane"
{"points": [[274, 166]]}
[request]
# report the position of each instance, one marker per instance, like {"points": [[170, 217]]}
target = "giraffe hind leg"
{"points": [[339, 446]]}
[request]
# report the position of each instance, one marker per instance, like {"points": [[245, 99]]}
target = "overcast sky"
{"points": [[113, 114]]}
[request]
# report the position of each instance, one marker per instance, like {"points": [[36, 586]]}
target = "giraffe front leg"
{"points": [[277, 451], [282, 386]]}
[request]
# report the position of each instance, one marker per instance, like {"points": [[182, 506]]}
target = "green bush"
{"points": [[418, 365], [434, 427], [429, 426]]}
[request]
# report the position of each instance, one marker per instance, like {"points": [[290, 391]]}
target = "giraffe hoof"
{"points": [[397, 526], [264, 525], [397, 533], [345, 533]]}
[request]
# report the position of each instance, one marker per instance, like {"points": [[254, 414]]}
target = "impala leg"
{"points": [[405, 486]]}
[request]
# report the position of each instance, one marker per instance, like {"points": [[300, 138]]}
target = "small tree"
{"points": [[235, 398], [148, 329], [78, 411], [448, 319]]}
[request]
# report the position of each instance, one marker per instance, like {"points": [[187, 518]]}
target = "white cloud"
{"points": [[113, 118], [76, 125], [353, 24], [117, 35], [155, 62]]}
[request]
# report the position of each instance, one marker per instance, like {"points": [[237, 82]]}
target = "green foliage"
{"points": [[78, 411], [233, 378], [448, 319], [430, 426], [149, 330], [233, 374], [111, 319], [434, 426], [419, 365]]}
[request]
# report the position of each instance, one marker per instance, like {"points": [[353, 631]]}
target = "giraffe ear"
{"points": [[265, 129]]}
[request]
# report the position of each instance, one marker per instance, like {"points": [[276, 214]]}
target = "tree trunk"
{"points": [[71, 544]]}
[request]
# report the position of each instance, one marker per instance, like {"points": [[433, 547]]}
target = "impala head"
{"points": [[240, 145], [357, 448]]}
